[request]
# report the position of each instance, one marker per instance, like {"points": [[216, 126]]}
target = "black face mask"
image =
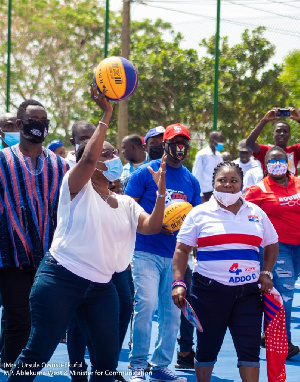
{"points": [[156, 152], [177, 151], [35, 130]]}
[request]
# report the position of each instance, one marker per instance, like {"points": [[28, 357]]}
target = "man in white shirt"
{"points": [[247, 162], [253, 176], [205, 162]]}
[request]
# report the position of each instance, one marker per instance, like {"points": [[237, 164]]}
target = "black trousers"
{"points": [[15, 286]]}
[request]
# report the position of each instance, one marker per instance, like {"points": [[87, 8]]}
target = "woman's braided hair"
{"points": [[268, 154], [228, 163]]}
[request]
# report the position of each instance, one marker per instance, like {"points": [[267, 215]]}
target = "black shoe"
{"points": [[119, 377], [292, 350], [147, 370], [186, 362]]}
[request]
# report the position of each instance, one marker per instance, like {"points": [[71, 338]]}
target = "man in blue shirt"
{"points": [[152, 259]]}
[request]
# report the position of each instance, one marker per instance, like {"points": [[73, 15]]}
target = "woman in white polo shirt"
{"points": [[95, 237], [225, 286]]}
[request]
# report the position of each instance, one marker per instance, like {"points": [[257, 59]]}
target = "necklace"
{"points": [[105, 197], [28, 161]]}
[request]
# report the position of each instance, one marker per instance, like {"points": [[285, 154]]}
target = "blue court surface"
{"points": [[225, 369]]}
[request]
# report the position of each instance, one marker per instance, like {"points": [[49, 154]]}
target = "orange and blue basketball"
{"points": [[117, 76], [175, 213]]}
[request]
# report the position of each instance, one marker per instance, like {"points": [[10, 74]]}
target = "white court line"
{"points": [[298, 285]]}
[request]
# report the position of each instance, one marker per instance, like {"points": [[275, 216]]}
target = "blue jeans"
{"points": [[286, 272], [55, 296], [152, 277], [186, 332], [76, 342], [76, 345]]}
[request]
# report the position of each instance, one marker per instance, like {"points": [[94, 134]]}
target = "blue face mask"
{"points": [[12, 138], [219, 146], [114, 169]]}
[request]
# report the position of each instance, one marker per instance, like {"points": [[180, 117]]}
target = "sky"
{"points": [[196, 19]]}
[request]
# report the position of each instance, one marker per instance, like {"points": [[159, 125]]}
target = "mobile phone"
{"points": [[284, 112]]}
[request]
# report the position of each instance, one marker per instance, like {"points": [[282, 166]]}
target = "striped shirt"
{"points": [[227, 244], [28, 205]]}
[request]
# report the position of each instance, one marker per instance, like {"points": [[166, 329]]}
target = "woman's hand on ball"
{"points": [[100, 100], [165, 230]]}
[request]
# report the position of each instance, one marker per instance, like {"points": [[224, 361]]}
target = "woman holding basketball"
{"points": [[278, 195], [225, 290], [95, 237]]}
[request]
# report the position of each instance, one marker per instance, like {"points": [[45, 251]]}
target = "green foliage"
{"points": [[56, 45], [290, 79], [248, 86]]}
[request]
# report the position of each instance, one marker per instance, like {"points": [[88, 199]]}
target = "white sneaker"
{"points": [[138, 375]]}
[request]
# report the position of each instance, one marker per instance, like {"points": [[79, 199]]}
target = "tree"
{"points": [[290, 79], [58, 43], [55, 46], [248, 86]]}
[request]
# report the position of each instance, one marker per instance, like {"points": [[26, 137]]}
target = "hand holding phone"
{"points": [[284, 113]]}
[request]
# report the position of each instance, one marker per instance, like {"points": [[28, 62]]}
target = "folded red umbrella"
{"points": [[275, 335]]}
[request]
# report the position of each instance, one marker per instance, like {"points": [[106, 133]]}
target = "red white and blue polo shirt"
{"points": [[227, 244]]}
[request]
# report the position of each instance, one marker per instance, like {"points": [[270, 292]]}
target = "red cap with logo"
{"points": [[174, 130]]}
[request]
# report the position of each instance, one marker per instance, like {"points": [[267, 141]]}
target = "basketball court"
{"points": [[225, 369]]}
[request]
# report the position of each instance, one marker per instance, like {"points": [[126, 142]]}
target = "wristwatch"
{"points": [[268, 273]]}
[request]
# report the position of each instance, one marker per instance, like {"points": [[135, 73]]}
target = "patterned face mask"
{"points": [[178, 151], [277, 168]]}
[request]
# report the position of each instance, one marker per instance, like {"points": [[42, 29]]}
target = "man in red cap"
{"points": [[152, 260]]}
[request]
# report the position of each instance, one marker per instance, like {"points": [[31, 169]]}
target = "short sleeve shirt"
{"points": [[180, 183], [281, 204], [28, 205], [293, 154], [93, 240], [227, 244]]}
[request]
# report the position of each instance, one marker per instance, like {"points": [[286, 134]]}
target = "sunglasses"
{"points": [[109, 154], [273, 161], [35, 120]]}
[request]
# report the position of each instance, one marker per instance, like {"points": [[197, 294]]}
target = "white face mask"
{"points": [[226, 198]]}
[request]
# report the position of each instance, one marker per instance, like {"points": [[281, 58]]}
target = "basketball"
{"points": [[175, 213], [117, 76]]}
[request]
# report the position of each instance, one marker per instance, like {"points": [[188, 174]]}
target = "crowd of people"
{"points": [[84, 250]]}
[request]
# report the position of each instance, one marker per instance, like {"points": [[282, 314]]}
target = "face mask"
{"points": [[277, 168], [219, 146], [12, 138], [35, 130], [76, 146], [156, 152], [114, 169], [177, 151], [226, 198]]}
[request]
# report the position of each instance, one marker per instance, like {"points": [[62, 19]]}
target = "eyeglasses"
{"points": [[273, 161], [35, 120], [109, 154]]}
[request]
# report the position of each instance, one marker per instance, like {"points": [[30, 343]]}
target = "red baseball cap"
{"points": [[174, 130]]}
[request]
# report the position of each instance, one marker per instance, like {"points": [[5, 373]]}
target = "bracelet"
{"points": [[102, 123], [161, 195], [268, 273], [180, 283]]}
